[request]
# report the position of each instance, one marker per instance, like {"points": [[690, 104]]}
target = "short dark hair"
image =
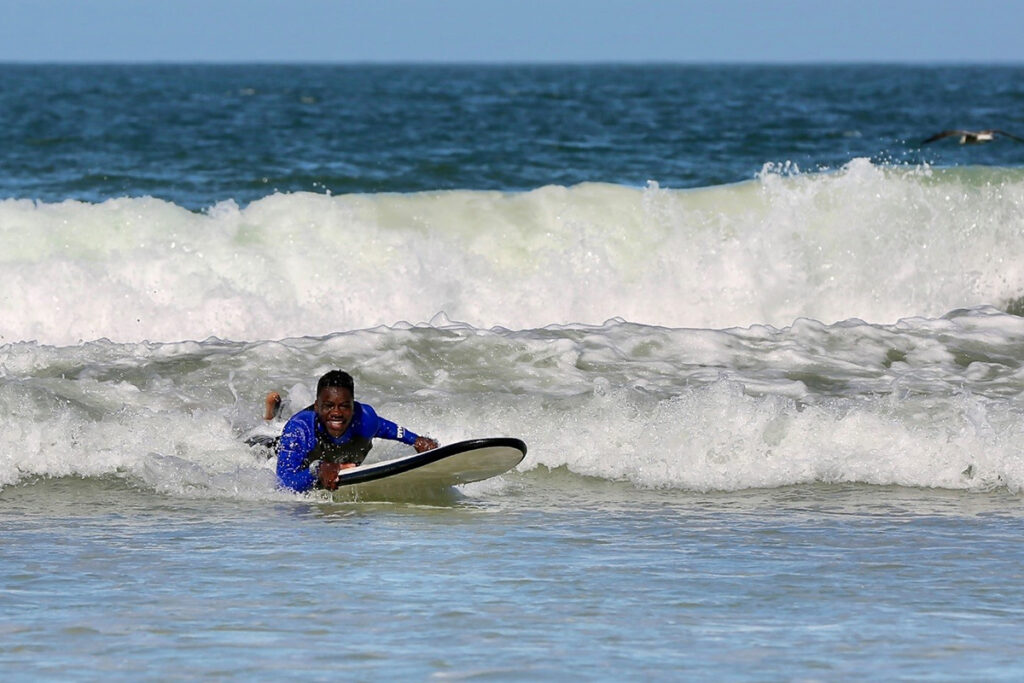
{"points": [[336, 378]]}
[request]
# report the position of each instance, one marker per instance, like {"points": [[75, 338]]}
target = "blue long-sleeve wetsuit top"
{"points": [[304, 438]]}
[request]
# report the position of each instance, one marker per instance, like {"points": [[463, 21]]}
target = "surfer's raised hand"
{"points": [[424, 443]]}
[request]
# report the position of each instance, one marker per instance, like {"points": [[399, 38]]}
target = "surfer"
{"points": [[334, 433]]}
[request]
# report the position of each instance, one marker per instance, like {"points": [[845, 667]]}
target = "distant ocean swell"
{"points": [[873, 242]]}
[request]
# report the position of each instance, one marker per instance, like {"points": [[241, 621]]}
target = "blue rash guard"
{"points": [[305, 436]]}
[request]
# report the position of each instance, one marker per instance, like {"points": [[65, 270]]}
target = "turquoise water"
{"points": [[840, 581], [765, 350]]}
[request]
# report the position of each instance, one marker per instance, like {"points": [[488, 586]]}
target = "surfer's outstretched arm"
{"points": [[386, 429]]}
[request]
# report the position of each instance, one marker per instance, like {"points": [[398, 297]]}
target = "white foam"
{"points": [[729, 374], [869, 242], [720, 438], [930, 402]]}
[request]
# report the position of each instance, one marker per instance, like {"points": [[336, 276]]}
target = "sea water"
{"points": [[764, 348]]}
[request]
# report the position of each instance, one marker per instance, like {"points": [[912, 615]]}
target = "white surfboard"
{"points": [[458, 463]]}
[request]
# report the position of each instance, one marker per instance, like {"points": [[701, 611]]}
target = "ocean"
{"points": [[765, 348]]}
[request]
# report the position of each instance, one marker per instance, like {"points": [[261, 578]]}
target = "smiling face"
{"points": [[334, 406]]}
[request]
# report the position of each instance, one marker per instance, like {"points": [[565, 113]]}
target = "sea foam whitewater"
{"points": [[924, 402], [715, 275], [766, 352], [866, 241]]}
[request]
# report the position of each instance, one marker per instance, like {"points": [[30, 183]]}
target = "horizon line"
{"points": [[507, 62]]}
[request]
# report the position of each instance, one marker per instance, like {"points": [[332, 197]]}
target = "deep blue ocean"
{"points": [[198, 134], [765, 347]]}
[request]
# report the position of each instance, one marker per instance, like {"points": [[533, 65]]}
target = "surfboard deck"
{"points": [[458, 463]]}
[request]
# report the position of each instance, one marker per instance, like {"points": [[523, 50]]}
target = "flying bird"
{"points": [[971, 137]]}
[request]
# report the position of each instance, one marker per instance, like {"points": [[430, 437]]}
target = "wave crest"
{"points": [[869, 241]]}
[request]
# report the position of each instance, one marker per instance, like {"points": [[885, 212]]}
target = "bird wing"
{"points": [[943, 134], [1008, 135]]}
